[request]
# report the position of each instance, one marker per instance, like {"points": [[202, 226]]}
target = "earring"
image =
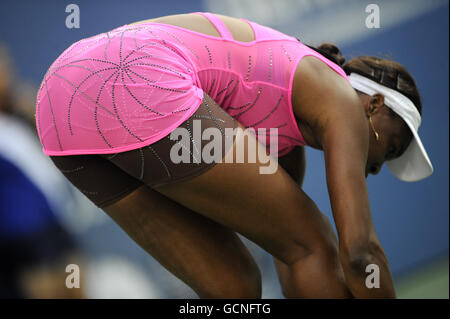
{"points": [[377, 137]]}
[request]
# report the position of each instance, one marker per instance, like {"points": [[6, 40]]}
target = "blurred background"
{"points": [[46, 224]]}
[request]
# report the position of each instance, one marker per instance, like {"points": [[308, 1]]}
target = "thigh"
{"points": [[207, 256], [98, 179], [269, 209]]}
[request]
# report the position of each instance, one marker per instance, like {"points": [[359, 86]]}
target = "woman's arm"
{"points": [[345, 148], [336, 116]]}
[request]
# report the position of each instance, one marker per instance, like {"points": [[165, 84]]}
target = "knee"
{"points": [[322, 246], [245, 285]]}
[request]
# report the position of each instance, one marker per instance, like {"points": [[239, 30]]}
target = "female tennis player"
{"points": [[109, 107]]}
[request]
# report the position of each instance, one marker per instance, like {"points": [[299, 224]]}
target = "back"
{"points": [[250, 79]]}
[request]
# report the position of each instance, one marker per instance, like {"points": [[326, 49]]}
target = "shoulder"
{"points": [[315, 79], [321, 96]]}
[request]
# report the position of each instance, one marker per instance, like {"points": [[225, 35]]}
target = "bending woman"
{"points": [[128, 116]]}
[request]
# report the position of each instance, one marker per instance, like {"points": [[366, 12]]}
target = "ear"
{"points": [[376, 101]]}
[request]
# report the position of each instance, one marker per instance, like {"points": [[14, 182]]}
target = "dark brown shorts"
{"points": [[107, 178]]}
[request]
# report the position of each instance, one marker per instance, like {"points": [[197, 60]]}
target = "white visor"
{"points": [[414, 164]]}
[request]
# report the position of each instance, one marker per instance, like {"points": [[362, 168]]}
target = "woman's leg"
{"points": [[294, 164], [207, 256], [274, 212]]}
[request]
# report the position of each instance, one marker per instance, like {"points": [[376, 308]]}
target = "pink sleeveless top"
{"points": [[132, 86], [251, 81]]}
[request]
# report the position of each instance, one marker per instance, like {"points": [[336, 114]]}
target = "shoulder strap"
{"points": [[256, 28], [218, 24]]}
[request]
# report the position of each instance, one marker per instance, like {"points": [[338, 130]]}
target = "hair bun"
{"points": [[334, 52]]}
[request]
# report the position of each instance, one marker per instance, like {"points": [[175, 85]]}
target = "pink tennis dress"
{"points": [[132, 86]]}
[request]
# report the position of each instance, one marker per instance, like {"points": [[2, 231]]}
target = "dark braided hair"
{"points": [[386, 72]]}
